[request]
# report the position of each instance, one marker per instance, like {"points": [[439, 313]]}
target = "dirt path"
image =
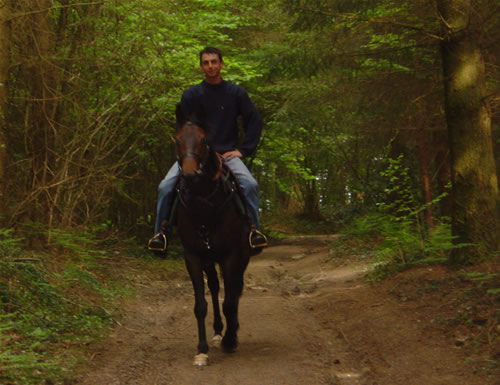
{"points": [[303, 320]]}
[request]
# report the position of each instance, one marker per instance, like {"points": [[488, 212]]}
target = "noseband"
{"points": [[210, 191], [200, 161]]}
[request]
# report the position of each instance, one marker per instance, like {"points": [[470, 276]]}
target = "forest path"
{"points": [[304, 319]]}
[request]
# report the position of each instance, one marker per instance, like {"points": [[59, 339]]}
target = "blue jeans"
{"points": [[247, 182]]}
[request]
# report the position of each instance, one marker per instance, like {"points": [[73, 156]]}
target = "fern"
{"points": [[403, 241]]}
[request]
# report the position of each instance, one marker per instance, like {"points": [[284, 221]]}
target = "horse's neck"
{"points": [[214, 165]]}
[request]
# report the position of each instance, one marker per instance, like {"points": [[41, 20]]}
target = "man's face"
{"points": [[211, 66]]}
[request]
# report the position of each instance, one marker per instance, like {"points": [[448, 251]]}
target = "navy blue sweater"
{"points": [[222, 104]]}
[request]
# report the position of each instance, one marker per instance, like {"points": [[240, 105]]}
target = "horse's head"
{"points": [[192, 147]]}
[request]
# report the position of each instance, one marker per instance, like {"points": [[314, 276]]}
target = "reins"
{"points": [[213, 184], [221, 178]]}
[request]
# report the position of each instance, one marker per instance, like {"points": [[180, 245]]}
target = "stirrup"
{"points": [[250, 239], [165, 243]]}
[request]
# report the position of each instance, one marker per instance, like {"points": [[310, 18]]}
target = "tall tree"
{"points": [[4, 69], [93, 87], [360, 76], [473, 170]]}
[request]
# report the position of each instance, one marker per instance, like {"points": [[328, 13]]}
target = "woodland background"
{"points": [[369, 106], [381, 120]]}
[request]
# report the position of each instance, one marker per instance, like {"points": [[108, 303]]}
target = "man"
{"points": [[223, 103]]}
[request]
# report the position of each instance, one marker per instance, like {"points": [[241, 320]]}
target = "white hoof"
{"points": [[216, 340], [200, 360]]}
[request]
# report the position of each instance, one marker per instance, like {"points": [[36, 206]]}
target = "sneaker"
{"points": [[158, 243]]}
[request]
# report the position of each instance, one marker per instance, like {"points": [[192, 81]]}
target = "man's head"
{"points": [[211, 50], [211, 63]]}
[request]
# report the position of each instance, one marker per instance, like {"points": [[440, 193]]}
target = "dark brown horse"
{"points": [[212, 230]]}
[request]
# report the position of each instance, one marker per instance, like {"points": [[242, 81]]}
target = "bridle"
{"points": [[201, 161], [220, 181], [219, 189]]}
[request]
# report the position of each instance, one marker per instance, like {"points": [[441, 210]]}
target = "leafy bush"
{"points": [[400, 245], [403, 241], [42, 306]]}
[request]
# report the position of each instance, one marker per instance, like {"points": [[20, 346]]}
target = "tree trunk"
{"points": [[42, 128], [425, 182], [442, 160], [5, 39], [311, 199], [473, 171]]}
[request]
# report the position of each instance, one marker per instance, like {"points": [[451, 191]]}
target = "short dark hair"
{"points": [[211, 50]]}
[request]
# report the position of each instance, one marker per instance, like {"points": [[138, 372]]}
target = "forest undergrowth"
{"points": [[463, 301], [57, 300]]}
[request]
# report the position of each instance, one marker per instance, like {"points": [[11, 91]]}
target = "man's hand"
{"points": [[232, 154]]}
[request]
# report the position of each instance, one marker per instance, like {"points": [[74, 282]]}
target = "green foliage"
{"points": [[335, 82], [41, 308], [54, 303], [352, 246], [343, 80], [403, 240], [8, 243], [400, 245], [113, 73], [82, 245], [399, 188], [479, 276], [487, 281]]}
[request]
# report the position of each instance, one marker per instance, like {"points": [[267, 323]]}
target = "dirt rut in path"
{"points": [[303, 320]]}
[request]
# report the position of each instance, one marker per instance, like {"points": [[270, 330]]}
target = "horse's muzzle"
{"points": [[191, 179], [190, 165]]}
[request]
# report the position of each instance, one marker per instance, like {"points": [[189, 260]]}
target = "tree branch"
{"points": [[22, 14]]}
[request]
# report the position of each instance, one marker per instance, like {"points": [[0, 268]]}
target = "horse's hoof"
{"points": [[200, 360], [216, 340], [229, 345]]}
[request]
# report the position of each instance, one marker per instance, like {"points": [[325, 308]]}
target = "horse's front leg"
{"points": [[213, 285], [233, 272], [195, 269]]}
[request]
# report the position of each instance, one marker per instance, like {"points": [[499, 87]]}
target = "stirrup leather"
{"points": [[250, 239], [165, 243]]}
